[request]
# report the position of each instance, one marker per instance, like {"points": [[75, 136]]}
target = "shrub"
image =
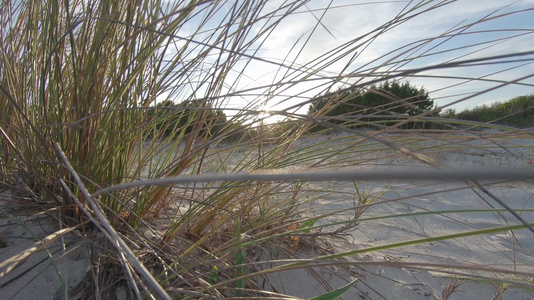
{"points": [[377, 105], [515, 112]]}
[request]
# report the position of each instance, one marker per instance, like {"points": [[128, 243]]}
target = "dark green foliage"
{"points": [[448, 113], [518, 112], [175, 120], [377, 105]]}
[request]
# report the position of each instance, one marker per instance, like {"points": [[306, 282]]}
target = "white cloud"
{"points": [[347, 22]]}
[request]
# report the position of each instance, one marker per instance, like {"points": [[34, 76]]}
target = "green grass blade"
{"points": [[335, 294]]}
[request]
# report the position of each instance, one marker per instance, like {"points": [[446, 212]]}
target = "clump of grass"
{"points": [[85, 130], [450, 289]]}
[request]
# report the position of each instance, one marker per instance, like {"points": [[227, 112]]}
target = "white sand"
{"points": [[41, 275], [378, 277]]}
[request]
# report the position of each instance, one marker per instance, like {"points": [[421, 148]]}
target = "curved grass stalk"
{"points": [[350, 176], [112, 235], [330, 258]]}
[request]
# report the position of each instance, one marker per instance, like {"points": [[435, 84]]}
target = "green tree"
{"points": [[172, 119], [383, 102], [515, 112], [449, 113]]}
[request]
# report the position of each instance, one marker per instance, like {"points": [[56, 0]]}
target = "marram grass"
{"points": [[118, 115]]}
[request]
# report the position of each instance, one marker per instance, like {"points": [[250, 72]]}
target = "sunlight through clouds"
{"points": [[297, 58]]}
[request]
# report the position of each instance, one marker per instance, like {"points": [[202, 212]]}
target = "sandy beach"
{"points": [[414, 209]]}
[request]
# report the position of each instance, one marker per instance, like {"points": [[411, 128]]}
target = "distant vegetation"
{"points": [[391, 103], [375, 106], [201, 120], [171, 119], [518, 112]]}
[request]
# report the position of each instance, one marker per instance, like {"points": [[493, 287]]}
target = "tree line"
{"points": [[517, 112], [392, 102], [169, 119], [375, 106]]}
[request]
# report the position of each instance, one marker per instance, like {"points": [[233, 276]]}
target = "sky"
{"points": [[341, 45]]}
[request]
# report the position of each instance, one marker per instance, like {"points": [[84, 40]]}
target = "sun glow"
{"points": [[268, 117]]}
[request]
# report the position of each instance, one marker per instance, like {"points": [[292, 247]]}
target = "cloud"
{"points": [[346, 21], [300, 44]]}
